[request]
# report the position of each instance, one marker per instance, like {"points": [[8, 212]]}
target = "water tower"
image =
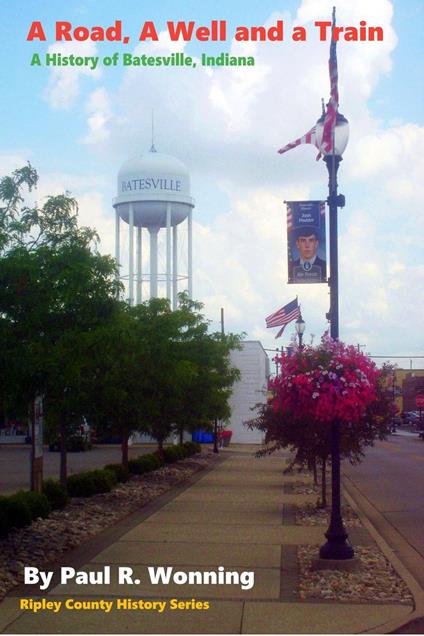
{"points": [[154, 193]]}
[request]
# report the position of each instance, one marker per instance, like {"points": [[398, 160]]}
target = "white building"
{"points": [[253, 363]]}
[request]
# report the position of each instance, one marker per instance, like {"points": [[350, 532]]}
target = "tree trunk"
{"points": [[124, 448], [324, 482], [314, 470], [181, 435], [160, 447], [215, 436], [63, 455]]}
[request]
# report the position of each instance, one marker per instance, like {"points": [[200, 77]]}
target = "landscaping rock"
{"points": [[376, 580], [46, 539]]}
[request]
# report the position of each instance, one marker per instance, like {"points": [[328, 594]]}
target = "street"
{"points": [[391, 478], [15, 463]]}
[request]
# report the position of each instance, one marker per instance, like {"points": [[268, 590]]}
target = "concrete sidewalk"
{"points": [[237, 516]]}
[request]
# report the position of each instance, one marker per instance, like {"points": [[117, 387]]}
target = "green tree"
{"points": [[168, 373], [116, 373], [207, 397], [54, 288], [53, 223]]}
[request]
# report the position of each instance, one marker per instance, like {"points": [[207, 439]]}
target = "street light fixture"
{"points": [[300, 328], [336, 546]]}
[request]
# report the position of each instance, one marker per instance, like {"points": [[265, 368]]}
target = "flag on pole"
{"points": [[308, 138], [333, 104], [283, 316]]}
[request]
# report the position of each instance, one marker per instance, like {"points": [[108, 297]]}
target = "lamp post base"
{"points": [[342, 565], [336, 548]]}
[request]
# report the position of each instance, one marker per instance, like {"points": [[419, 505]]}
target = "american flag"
{"points": [[289, 218], [331, 112], [333, 104], [308, 138], [283, 316]]}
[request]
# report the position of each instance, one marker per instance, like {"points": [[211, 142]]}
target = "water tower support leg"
{"points": [[138, 259], [131, 256], [153, 261], [117, 244], [174, 267], [168, 250], [190, 254]]}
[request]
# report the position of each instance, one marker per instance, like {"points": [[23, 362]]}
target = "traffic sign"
{"points": [[419, 401]]}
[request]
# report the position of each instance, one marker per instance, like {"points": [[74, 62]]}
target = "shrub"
{"points": [[172, 454], [38, 504], [159, 461], [193, 448], [122, 474], [144, 464], [81, 485], [55, 493], [184, 451], [90, 483], [4, 518], [14, 513], [104, 480]]}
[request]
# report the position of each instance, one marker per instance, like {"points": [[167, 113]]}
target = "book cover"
{"points": [[185, 134]]}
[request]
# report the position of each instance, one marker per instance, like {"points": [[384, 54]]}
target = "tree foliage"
{"points": [[316, 387], [54, 288], [65, 335]]}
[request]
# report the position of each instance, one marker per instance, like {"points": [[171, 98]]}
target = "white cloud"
{"points": [[63, 87], [12, 161], [100, 117], [227, 123], [393, 159]]}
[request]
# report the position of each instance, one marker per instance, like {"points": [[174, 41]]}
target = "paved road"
{"points": [[15, 463], [391, 477]]}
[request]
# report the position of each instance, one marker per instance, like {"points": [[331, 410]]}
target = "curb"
{"points": [[363, 508]]}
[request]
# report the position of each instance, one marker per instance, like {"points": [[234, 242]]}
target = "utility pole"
{"points": [[215, 428]]}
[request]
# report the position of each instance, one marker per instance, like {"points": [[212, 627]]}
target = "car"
{"points": [[410, 417], [78, 440]]}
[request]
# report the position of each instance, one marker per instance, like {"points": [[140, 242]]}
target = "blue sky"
{"points": [[77, 129]]}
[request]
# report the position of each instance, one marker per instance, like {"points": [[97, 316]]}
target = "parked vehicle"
{"points": [[411, 418], [79, 440]]}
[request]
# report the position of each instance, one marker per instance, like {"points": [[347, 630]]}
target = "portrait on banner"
{"points": [[306, 244]]}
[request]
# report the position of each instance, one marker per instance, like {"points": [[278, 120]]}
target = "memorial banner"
{"points": [[306, 249]]}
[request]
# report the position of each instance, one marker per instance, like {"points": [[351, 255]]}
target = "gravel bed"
{"points": [[302, 488], [310, 515], [376, 581], [46, 539]]}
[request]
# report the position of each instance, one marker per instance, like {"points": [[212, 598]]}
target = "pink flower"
{"points": [[344, 394]]}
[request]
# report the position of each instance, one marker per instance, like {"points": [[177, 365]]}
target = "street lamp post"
{"points": [[336, 546], [300, 328]]}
